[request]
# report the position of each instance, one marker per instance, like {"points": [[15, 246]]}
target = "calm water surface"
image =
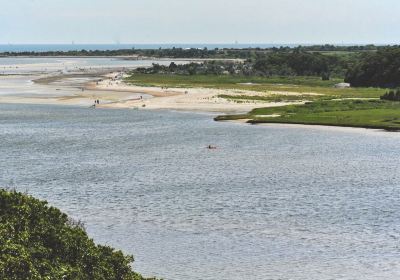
{"points": [[270, 203]]}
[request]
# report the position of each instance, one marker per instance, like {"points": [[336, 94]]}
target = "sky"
{"points": [[199, 21]]}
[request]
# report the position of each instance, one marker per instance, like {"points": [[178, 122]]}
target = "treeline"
{"points": [[299, 63], [376, 69], [380, 68], [244, 53], [293, 63], [40, 242], [334, 48], [121, 52], [145, 53], [366, 66], [157, 53], [213, 67]]}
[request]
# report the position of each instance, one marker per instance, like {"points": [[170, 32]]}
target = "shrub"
{"points": [[392, 95], [40, 242]]}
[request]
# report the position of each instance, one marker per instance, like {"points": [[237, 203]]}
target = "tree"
{"points": [[376, 69]]}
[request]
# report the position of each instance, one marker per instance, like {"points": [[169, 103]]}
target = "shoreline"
{"points": [[113, 93], [310, 126], [177, 98], [237, 121]]}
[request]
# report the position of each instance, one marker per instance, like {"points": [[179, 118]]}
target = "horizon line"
{"points": [[199, 43]]}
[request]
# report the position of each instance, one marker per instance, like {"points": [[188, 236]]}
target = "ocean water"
{"points": [[272, 202]]}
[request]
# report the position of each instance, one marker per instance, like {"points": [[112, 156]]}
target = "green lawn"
{"points": [[353, 113], [271, 98]]}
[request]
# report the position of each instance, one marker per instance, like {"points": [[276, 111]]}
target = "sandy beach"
{"points": [[80, 86], [188, 99]]}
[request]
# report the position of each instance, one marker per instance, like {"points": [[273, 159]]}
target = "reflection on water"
{"points": [[269, 203]]}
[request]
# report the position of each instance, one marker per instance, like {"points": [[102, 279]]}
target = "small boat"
{"points": [[210, 147]]}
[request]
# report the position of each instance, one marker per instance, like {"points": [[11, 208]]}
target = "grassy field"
{"points": [[260, 84], [352, 113], [270, 98]]}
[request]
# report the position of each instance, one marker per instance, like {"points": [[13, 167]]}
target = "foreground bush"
{"points": [[40, 242], [392, 95]]}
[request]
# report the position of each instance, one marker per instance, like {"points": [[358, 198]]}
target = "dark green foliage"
{"points": [[278, 63], [205, 68], [325, 76], [392, 95], [333, 48], [376, 69], [298, 62], [40, 242], [158, 53]]}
